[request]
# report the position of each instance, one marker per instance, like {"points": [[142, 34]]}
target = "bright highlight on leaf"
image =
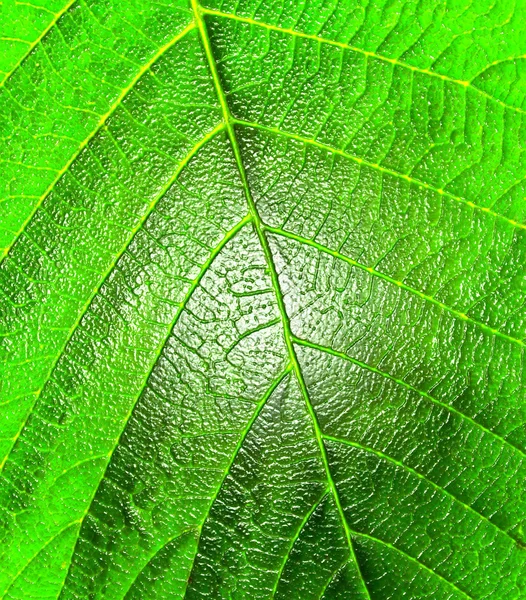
{"points": [[262, 300]]}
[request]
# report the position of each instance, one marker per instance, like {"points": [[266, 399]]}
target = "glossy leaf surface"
{"points": [[263, 274]]}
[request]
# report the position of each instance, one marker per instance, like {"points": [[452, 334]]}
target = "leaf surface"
{"points": [[262, 317]]}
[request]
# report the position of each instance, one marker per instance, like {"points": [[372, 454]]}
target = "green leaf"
{"points": [[262, 325]]}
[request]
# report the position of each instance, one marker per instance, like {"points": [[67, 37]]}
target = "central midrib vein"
{"points": [[258, 226]]}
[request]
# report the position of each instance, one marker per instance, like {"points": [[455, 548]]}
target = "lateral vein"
{"points": [[4, 252], [105, 276], [204, 269], [458, 314], [295, 539], [274, 385], [422, 477], [393, 61], [49, 541], [380, 168], [420, 564], [51, 24], [401, 382]]}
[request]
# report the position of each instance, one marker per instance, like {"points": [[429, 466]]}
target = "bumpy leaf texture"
{"points": [[263, 276]]}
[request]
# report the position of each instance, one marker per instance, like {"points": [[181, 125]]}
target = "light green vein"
{"points": [[401, 382], [4, 252], [414, 560], [189, 530], [422, 477], [51, 24], [301, 527], [272, 388], [367, 53], [41, 549], [258, 226], [275, 384], [335, 574], [377, 167], [107, 273], [456, 313], [196, 282]]}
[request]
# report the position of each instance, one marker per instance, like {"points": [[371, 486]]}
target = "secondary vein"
{"points": [[50, 25], [5, 251], [381, 169], [186, 531], [46, 544], [401, 382], [204, 269], [420, 564], [422, 477], [295, 538], [105, 276], [274, 385], [456, 313], [393, 61]]}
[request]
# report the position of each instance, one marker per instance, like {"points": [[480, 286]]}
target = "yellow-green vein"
{"points": [[258, 225], [422, 477], [196, 282], [106, 274], [50, 25], [456, 313], [408, 386], [4, 251], [380, 168], [367, 53]]}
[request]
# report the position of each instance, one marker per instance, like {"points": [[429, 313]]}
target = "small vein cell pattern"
{"points": [[262, 300]]}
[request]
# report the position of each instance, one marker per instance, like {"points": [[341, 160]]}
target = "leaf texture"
{"points": [[262, 280]]}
